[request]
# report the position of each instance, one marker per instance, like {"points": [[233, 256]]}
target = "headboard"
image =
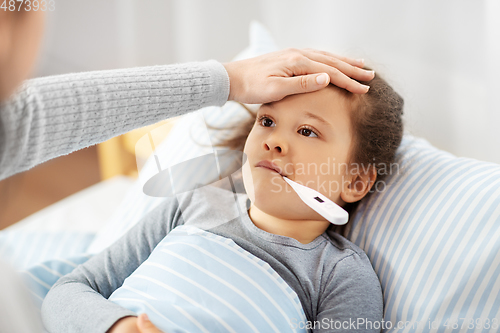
{"points": [[118, 156]]}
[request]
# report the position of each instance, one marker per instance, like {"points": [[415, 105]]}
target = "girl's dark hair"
{"points": [[377, 127]]}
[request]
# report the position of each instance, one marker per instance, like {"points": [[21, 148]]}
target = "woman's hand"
{"points": [[134, 325], [271, 77]]}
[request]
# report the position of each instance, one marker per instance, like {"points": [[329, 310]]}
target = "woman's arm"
{"points": [[56, 115], [78, 301]]}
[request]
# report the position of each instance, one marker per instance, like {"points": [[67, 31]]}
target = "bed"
{"points": [[432, 234]]}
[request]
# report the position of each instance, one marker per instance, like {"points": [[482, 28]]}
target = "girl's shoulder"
{"points": [[343, 255], [208, 205], [342, 244]]}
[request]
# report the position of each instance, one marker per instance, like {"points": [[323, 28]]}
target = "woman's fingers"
{"points": [[272, 76], [341, 80], [342, 64], [312, 82], [337, 76], [354, 62], [301, 84], [341, 73]]}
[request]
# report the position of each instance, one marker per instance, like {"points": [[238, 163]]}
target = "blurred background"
{"points": [[441, 56]]}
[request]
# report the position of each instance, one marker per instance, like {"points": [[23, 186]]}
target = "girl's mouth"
{"points": [[269, 165]]}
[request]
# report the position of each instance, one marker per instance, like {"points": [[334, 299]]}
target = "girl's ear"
{"points": [[358, 185]]}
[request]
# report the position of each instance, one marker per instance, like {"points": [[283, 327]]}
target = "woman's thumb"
{"points": [[322, 79], [309, 83], [145, 325]]}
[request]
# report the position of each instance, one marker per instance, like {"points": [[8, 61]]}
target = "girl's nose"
{"points": [[276, 142]]}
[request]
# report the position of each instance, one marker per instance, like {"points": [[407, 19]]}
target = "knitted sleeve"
{"points": [[52, 116]]}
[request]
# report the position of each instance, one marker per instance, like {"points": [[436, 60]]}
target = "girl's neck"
{"points": [[304, 231]]}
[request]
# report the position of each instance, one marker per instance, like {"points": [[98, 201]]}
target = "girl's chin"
{"points": [[281, 205]]}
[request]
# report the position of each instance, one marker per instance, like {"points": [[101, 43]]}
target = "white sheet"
{"points": [[84, 211]]}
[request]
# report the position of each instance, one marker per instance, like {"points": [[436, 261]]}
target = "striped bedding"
{"points": [[434, 241], [41, 277], [196, 281], [25, 248]]}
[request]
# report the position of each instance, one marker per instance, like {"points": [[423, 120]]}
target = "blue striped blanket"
{"points": [[196, 281]]}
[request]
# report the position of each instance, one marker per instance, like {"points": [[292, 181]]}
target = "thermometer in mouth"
{"points": [[320, 203]]}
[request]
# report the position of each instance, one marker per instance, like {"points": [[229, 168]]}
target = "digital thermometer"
{"points": [[320, 203]]}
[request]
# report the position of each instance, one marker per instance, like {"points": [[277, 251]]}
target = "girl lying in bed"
{"points": [[262, 260]]}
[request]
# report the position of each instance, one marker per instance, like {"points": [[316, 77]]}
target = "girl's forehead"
{"points": [[327, 109], [327, 103]]}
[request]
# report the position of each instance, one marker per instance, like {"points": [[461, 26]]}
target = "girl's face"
{"points": [[308, 137]]}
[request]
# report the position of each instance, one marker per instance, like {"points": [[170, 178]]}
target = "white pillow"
{"points": [[196, 140], [433, 237]]}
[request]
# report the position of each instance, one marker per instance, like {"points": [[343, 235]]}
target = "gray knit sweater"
{"points": [[52, 116]]}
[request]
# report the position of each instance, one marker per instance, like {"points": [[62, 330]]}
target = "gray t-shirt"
{"points": [[332, 277]]}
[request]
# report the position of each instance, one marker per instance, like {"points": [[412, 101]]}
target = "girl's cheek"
{"points": [[248, 181]]}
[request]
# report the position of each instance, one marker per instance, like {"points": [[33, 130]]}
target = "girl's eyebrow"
{"points": [[318, 118]]}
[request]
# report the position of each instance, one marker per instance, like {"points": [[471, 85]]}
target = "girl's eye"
{"points": [[307, 132], [266, 122]]}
